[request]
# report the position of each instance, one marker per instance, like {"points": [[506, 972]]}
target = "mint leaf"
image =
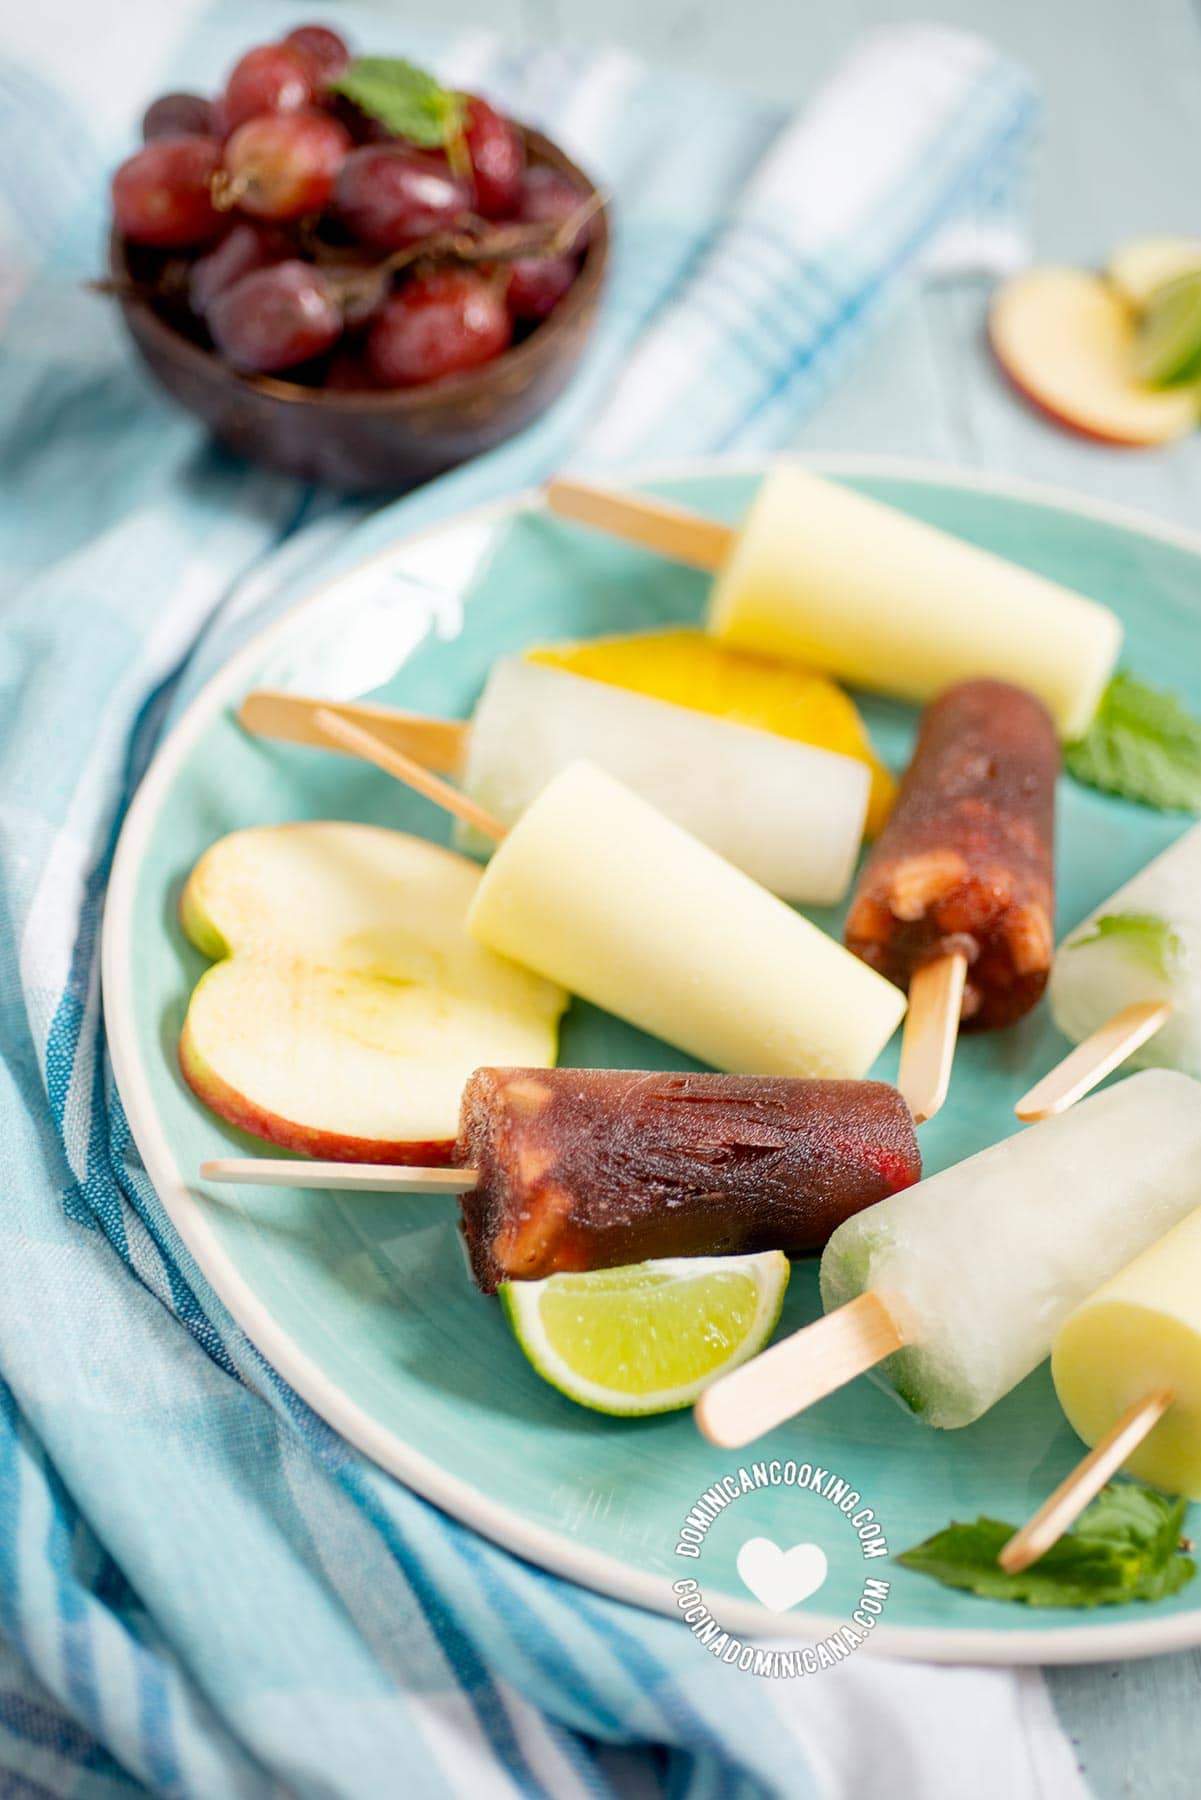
{"points": [[408, 100], [1123, 1548], [1145, 935], [1137, 1518], [1143, 744]]}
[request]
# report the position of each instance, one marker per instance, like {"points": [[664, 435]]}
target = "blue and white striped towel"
{"points": [[203, 1592]]}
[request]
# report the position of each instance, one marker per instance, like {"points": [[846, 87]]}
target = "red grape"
{"points": [[389, 195], [244, 248], [538, 283], [497, 160], [548, 198], [177, 115], [272, 78], [282, 165], [275, 318], [435, 325], [325, 50], [163, 194]]}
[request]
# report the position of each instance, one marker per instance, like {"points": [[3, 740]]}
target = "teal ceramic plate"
{"points": [[364, 1303]]}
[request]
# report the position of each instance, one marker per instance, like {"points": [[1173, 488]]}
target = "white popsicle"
{"points": [[788, 814], [1142, 944], [634, 914], [981, 1264]]}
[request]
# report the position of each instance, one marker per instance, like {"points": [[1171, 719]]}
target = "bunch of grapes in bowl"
{"points": [[347, 227]]}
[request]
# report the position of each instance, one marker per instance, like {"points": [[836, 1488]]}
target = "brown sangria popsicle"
{"points": [[597, 1168], [958, 892], [578, 1169]]}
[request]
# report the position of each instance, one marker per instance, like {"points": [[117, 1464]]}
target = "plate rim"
{"points": [[552, 1551]]}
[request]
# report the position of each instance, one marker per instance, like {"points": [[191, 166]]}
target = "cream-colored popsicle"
{"points": [[644, 920], [788, 814], [822, 575], [1137, 1335]]}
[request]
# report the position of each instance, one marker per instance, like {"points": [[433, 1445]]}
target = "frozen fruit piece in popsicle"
{"points": [[789, 815], [982, 1263], [1143, 943], [830, 578], [596, 1168], [594, 888], [965, 863], [1140, 1334], [691, 668]]}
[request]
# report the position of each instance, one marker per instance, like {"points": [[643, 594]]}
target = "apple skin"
{"points": [[236, 1109], [1066, 423], [1041, 321]]}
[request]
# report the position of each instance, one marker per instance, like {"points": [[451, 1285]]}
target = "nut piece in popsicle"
{"points": [[965, 863]]}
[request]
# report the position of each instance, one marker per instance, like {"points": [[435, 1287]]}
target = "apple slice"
{"points": [[347, 1005], [1067, 340], [1140, 265]]}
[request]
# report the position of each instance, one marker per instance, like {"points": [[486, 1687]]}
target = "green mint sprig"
{"points": [[1125, 1546], [409, 101], [1143, 744]]}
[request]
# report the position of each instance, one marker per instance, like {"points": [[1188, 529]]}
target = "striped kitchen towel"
{"points": [[203, 1591]]}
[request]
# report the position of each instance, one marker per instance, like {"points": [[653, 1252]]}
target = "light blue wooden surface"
{"points": [[1121, 156]]}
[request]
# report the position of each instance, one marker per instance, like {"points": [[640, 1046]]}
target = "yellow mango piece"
{"points": [[686, 666]]}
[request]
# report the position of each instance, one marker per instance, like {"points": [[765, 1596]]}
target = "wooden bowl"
{"points": [[389, 439]]}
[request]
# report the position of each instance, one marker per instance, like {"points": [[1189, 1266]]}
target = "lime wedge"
{"points": [[648, 1338], [1170, 340]]}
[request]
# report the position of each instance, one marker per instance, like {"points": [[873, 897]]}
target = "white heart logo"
{"points": [[781, 1578]]}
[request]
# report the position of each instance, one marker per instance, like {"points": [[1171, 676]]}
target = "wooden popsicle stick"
{"points": [[369, 1178], [930, 1034], [798, 1371], [440, 744], [1094, 1059], [393, 762], [672, 531], [1060, 1511]]}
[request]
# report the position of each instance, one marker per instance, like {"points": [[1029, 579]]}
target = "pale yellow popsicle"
{"points": [[822, 575], [636, 915], [1138, 1334]]}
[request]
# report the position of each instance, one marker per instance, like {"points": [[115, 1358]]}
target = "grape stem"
{"points": [[503, 243], [480, 243], [226, 190]]}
